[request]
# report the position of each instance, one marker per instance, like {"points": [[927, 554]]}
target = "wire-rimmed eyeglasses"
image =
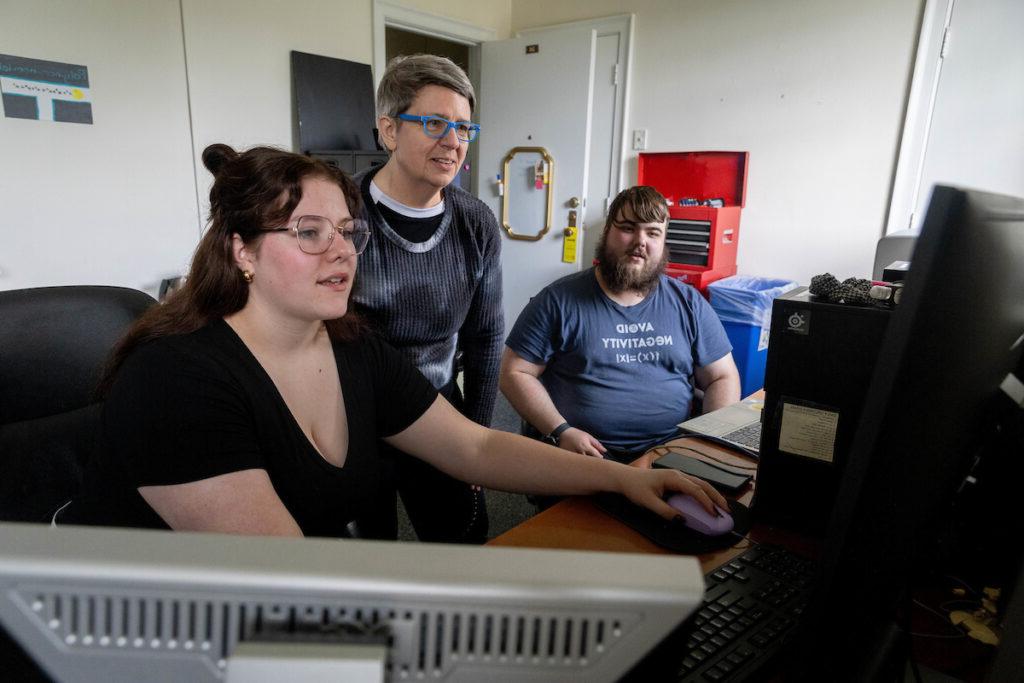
{"points": [[315, 233], [438, 127]]}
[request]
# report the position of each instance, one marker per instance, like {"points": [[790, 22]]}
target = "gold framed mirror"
{"points": [[515, 177]]}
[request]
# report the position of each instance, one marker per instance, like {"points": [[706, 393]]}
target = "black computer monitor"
{"points": [[956, 334]]}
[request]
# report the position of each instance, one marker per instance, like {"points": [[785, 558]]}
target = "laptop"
{"points": [[737, 425]]}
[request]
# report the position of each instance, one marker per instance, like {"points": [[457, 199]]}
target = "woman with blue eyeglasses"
{"points": [[430, 281]]}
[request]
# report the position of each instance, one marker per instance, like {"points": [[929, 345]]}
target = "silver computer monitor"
{"points": [[117, 604]]}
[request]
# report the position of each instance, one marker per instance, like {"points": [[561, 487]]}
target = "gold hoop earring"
{"points": [[248, 276]]}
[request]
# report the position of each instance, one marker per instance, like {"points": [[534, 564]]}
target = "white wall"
{"points": [[123, 201], [487, 14], [239, 66], [112, 202], [813, 90]]}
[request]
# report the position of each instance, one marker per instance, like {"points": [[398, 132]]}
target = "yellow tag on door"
{"points": [[569, 246]]}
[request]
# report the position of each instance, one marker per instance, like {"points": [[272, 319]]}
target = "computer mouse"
{"points": [[697, 518]]}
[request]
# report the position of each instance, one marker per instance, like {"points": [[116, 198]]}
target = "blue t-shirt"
{"points": [[622, 373]]}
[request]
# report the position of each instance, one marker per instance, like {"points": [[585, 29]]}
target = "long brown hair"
{"points": [[246, 197]]}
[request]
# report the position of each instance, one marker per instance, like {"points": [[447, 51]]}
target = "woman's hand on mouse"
{"points": [[649, 488]]}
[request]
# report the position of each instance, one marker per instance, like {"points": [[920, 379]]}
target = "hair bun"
{"points": [[217, 155]]}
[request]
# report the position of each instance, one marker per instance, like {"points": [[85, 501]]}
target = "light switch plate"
{"points": [[640, 139]]}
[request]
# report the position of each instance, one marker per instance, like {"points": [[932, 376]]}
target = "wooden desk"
{"points": [[577, 524]]}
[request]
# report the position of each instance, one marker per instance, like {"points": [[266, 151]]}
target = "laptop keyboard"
{"points": [[751, 606], [748, 435]]}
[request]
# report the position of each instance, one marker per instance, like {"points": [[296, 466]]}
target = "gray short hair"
{"points": [[406, 75]]}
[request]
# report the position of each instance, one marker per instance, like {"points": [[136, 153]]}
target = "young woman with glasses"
{"points": [[253, 401]]}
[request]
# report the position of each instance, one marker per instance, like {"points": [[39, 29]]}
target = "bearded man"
{"points": [[604, 362]]}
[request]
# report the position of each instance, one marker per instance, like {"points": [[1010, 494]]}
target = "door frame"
{"points": [[920, 104], [387, 14]]}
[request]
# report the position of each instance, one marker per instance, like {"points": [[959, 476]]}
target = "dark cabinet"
{"points": [[351, 161]]}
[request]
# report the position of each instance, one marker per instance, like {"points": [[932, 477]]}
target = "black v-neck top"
{"points": [[189, 407]]}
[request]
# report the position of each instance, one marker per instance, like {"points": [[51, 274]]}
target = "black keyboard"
{"points": [[751, 606]]}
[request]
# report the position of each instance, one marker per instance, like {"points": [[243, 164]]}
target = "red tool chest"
{"points": [[701, 240]]}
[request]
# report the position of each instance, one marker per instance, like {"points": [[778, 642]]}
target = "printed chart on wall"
{"points": [[45, 91]]}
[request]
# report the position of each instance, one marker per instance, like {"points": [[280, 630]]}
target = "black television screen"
{"points": [[335, 103]]}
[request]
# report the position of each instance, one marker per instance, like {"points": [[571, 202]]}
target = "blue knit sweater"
{"points": [[429, 298]]}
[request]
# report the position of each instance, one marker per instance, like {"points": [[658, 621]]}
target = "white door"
{"points": [[536, 91]]}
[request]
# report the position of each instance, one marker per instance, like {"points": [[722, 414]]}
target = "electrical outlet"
{"points": [[640, 139]]}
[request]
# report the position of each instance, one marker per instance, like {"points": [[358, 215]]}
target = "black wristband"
{"points": [[557, 432]]}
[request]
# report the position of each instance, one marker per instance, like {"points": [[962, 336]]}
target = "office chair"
{"points": [[54, 342]]}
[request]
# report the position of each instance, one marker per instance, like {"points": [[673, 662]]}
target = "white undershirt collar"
{"points": [[398, 207]]}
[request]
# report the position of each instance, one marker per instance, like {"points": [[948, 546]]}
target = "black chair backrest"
{"points": [[54, 344]]}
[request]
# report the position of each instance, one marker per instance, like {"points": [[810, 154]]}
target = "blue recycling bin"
{"points": [[744, 305]]}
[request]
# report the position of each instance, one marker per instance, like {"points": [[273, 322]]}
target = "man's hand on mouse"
{"points": [[649, 488], [579, 441]]}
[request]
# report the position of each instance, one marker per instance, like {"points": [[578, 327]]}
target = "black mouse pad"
{"points": [[673, 534]]}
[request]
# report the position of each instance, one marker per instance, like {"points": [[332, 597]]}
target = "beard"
{"points": [[620, 275]]}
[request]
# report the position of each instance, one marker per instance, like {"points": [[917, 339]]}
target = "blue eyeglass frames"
{"points": [[437, 127]]}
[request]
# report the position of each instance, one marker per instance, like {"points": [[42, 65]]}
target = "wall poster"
{"points": [[45, 91]]}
